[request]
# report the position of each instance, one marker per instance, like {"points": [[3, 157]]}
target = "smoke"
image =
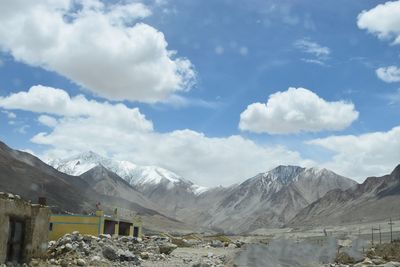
{"points": [[289, 253]]}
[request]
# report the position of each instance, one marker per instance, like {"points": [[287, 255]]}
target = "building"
{"points": [[61, 224], [23, 231]]}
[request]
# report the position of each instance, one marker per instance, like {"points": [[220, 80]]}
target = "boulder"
{"points": [[110, 253], [80, 262], [167, 248], [217, 244], [125, 255]]}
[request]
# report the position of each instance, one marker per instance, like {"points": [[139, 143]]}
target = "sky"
{"points": [[216, 91]]}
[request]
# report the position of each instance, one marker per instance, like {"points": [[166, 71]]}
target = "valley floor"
{"points": [[183, 257]]}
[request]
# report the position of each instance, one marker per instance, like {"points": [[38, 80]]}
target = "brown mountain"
{"points": [[376, 199]]}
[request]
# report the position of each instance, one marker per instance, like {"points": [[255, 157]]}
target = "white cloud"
{"points": [[48, 121], [23, 129], [389, 74], [177, 101], [382, 21], [361, 156], [41, 99], [101, 47], [297, 110], [205, 160], [314, 61], [123, 133], [10, 115], [320, 53], [312, 48]]}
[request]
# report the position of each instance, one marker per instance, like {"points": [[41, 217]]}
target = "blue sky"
{"points": [[227, 57]]}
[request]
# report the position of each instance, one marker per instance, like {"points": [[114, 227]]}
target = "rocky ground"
{"points": [[385, 255], [86, 250]]}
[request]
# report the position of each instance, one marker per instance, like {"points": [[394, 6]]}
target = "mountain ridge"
{"points": [[136, 175], [377, 194]]}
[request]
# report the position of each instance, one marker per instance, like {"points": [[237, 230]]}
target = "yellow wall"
{"points": [[63, 224], [85, 224]]}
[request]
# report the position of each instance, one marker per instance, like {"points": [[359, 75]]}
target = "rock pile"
{"points": [[86, 250], [382, 255]]}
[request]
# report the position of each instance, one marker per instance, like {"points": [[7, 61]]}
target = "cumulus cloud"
{"points": [[102, 47], [121, 132], [47, 121], [297, 110], [389, 74], [382, 21], [361, 156], [48, 100]]}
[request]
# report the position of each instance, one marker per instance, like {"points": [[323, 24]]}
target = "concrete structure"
{"points": [[61, 224], [23, 229]]}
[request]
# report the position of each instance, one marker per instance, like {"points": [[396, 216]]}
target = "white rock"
{"points": [[80, 262], [95, 258], [68, 246]]}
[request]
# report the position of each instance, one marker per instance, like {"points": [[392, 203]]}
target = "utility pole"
{"points": [[391, 229], [380, 235], [372, 235], [372, 231]]}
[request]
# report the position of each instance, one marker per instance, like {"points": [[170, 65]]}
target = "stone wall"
{"points": [[36, 226]]}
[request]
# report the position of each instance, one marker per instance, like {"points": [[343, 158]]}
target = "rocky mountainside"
{"points": [[25, 175], [377, 198], [108, 183], [271, 199]]}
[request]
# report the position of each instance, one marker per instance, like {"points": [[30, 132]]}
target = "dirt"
{"points": [[192, 256]]}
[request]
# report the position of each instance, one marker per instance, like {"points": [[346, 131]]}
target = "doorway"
{"points": [[124, 228], [15, 243], [109, 227], [136, 231]]}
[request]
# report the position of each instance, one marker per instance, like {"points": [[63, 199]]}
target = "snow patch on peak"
{"points": [[283, 174], [197, 189], [134, 174], [156, 175]]}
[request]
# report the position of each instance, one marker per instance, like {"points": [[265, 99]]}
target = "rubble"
{"points": [[382, 255], [86, 250]]}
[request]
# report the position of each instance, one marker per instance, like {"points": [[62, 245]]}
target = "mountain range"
{"points": [[286, 196], [24, 174], [272, 198]]}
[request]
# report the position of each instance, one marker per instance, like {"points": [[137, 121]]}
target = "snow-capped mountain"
{"points": [[138, 176], [274, 197]]}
